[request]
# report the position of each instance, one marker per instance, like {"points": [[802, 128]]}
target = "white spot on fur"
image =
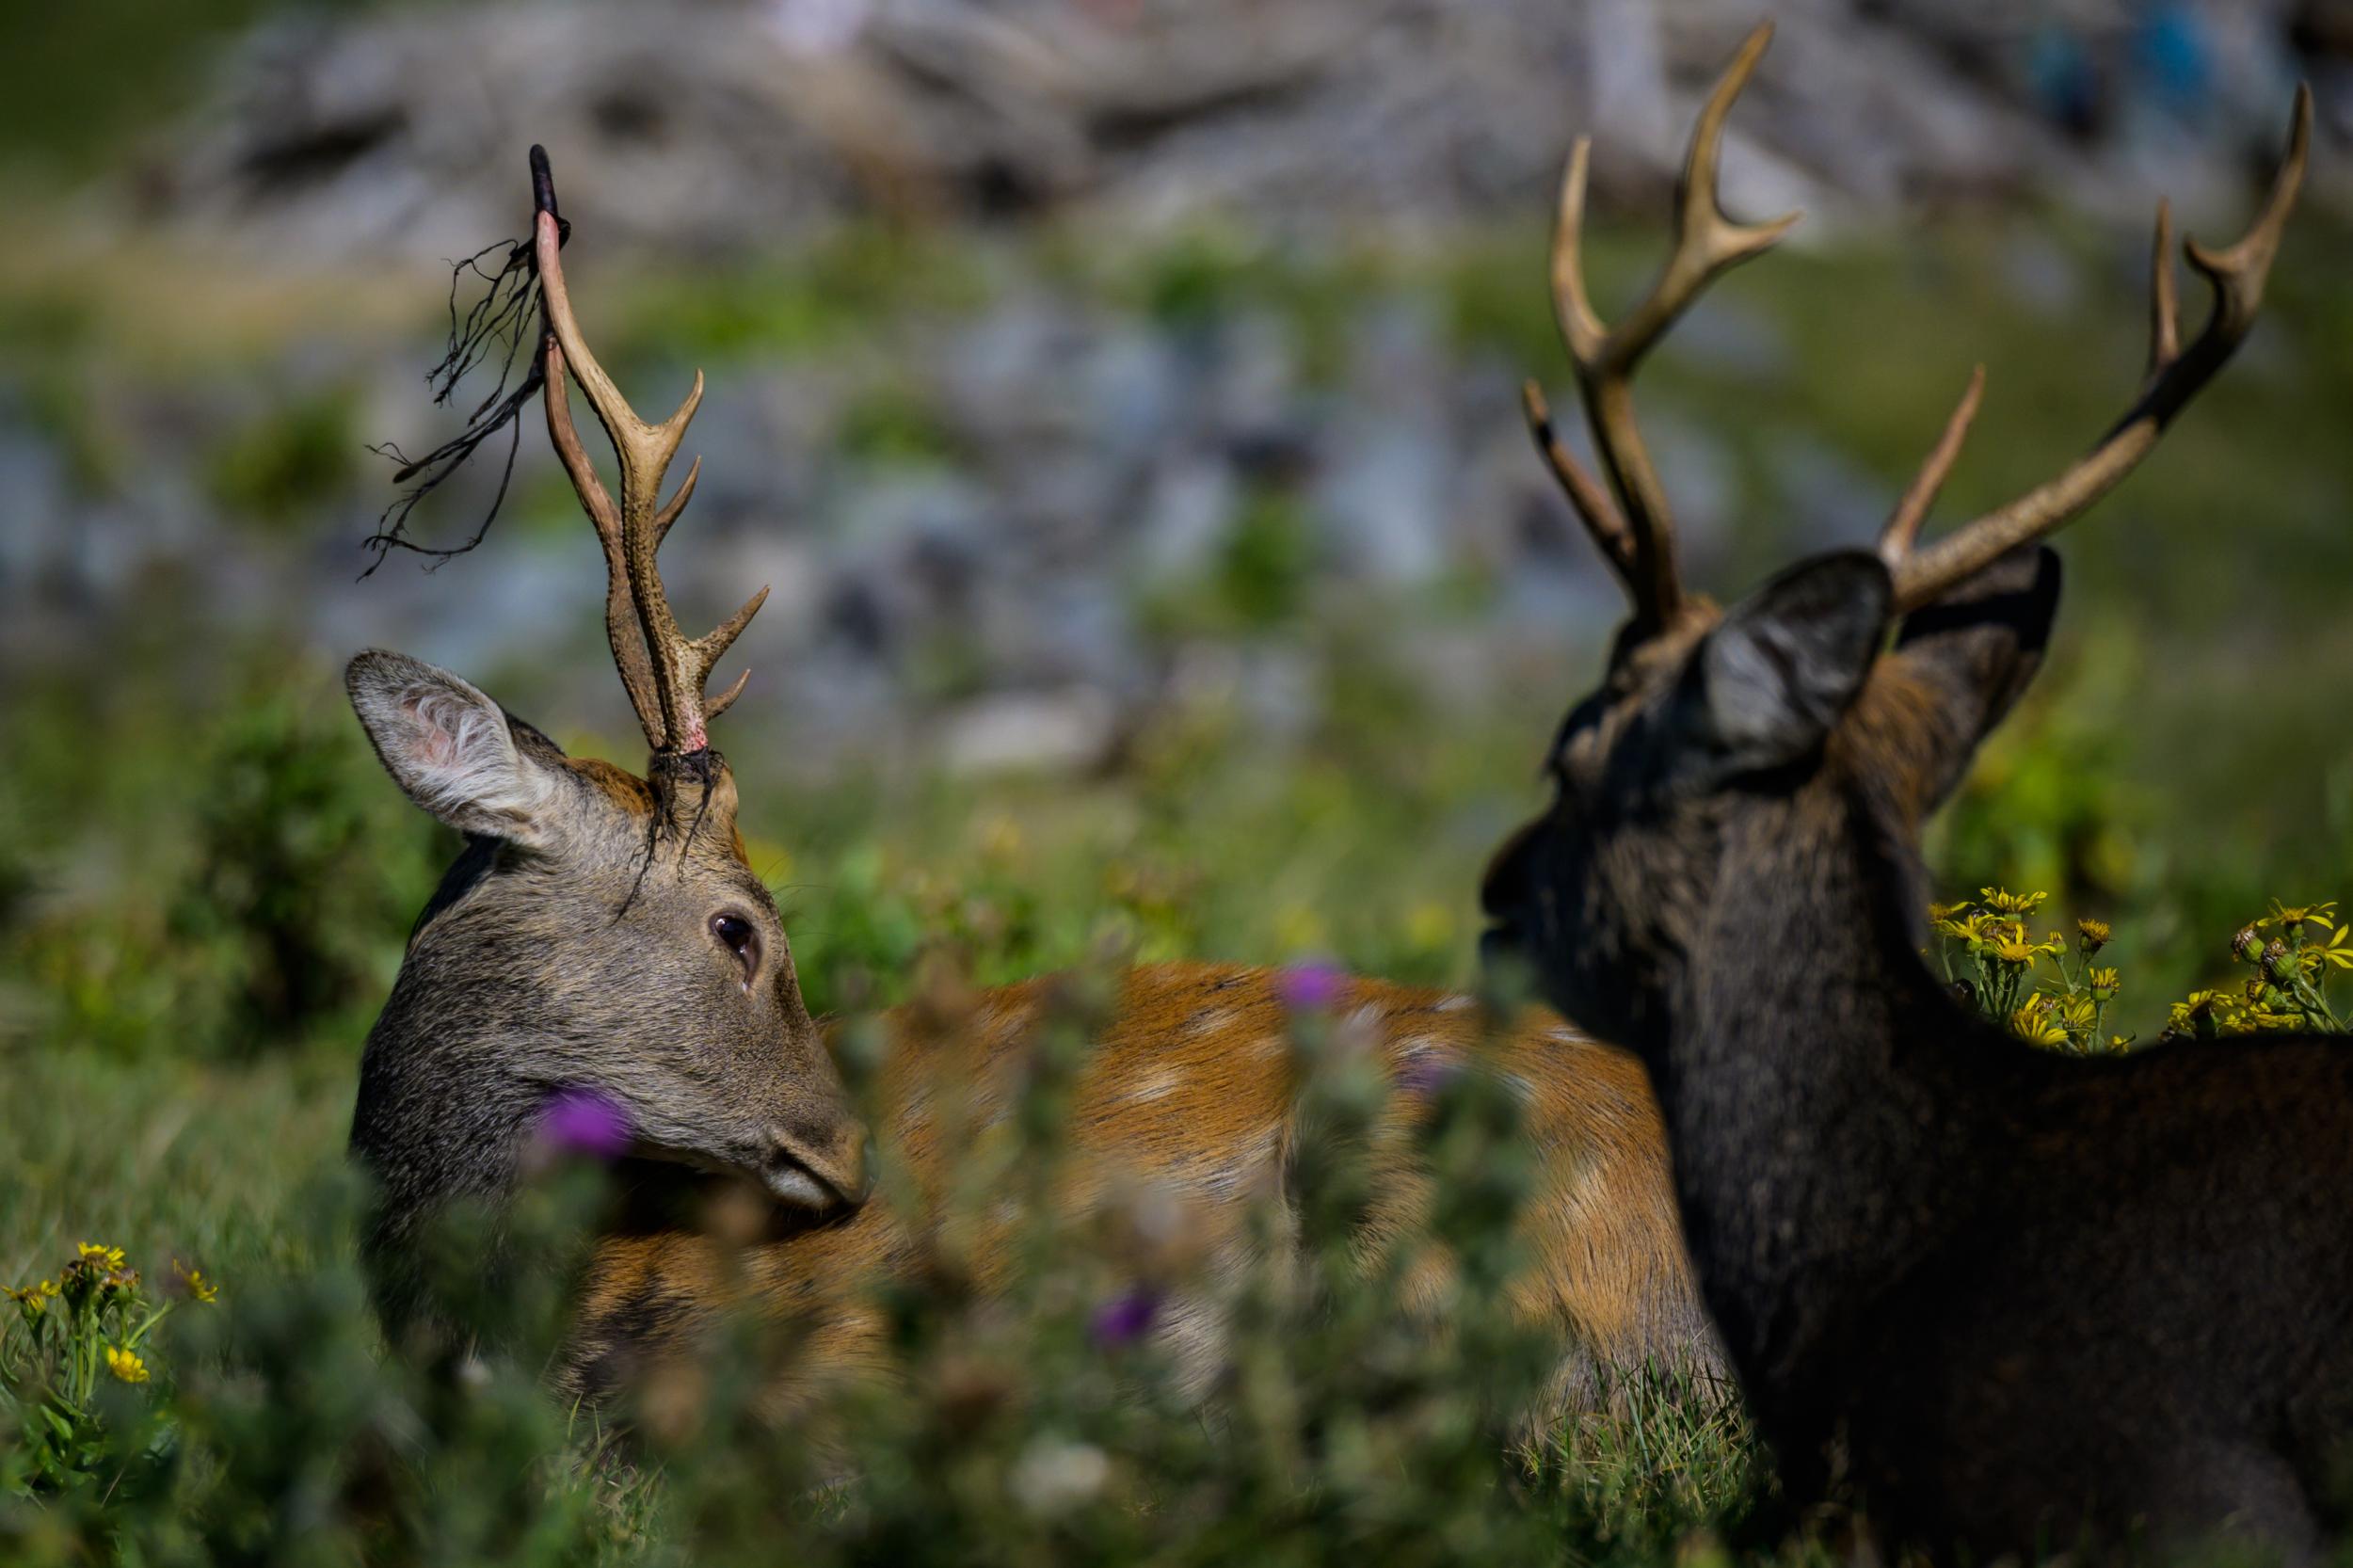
{"points": [[1211, 1022], [1156, 1085]]}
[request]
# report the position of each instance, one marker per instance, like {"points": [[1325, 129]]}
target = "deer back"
{"points": [[1182, 1123]]}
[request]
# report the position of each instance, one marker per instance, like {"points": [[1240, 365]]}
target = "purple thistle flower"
{"points": [[1125, 1319], [587, 1121], [1427, 1072], [1313, 986]]}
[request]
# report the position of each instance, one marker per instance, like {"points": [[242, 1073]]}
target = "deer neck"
{"points": [[1818, 1140], [449, 1093], [439, 1120]]}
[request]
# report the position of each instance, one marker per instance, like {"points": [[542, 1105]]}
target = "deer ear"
{"points": [[450, 748], [1976, 650], [1769, 682]]}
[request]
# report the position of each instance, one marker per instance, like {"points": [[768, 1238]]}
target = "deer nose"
{"points": [[824, 1169]]}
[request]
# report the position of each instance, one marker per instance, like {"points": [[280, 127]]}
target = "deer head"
{"points": [[601, 932], [1786, 731]]}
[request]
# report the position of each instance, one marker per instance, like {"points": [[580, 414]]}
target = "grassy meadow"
{"points": [[205, 881]]}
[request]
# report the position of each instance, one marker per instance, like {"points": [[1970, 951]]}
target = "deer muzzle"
{"points": [[823, 1171]]}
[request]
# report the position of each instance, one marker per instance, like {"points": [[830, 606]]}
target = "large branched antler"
{"points": [[1636, 531], [1638, 540], [664, 670], [2176, 374]]}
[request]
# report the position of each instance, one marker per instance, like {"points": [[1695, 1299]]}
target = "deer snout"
{"points": [[823, 1168]]}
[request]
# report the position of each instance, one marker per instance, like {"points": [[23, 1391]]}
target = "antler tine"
{"points": [[621, 629], [2237, 275], [1903, 523], [665, 671], [1591, 503], [2165, 311], [1706, 245]]}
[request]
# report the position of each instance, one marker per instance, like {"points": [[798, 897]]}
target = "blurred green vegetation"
{"points": [[79, 81], [289, 465], [1040, 1427]]}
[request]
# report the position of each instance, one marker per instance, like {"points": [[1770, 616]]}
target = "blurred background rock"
{"points": [[1121, 397]]}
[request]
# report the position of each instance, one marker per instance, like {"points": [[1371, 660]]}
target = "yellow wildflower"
{"points": [[2104, 984], [194, 1283], [2092, 935], [2013, 946], [1000, 839], [1299, 929], [2009, 903], [2077, 1014], [107, 1257], [2034, 1025], [1960, 928], [125, 1364], [2337, 951], [1940, 912], [2289, 915], [1430, 924], [2206, 1013]]}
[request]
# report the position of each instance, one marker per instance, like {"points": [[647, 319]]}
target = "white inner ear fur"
{"points": [[463, 761], [451, 750]]}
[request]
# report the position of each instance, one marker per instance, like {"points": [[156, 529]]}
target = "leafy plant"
{"points": [[2288, 988], [1366, 1406], [1993, 960], [305, 862], [78, 1365], [1994, 963]]}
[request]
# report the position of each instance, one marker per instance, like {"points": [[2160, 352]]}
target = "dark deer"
{"points": [[603, 932], [601, 935], [2032, 1300]]}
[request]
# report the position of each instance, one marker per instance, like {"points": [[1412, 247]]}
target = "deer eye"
{"points": [[740, 937]]}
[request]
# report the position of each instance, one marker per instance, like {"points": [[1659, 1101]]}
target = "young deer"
{"points": [[601, 936], [2032, 1295], [604, 932]]}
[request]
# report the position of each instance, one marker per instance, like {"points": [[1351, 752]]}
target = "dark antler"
{"points": [[1637, 534], [2175, 376]]}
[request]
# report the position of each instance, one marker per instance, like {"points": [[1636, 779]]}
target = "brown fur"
{"points": [[575, 949], [1187, 1095]]}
